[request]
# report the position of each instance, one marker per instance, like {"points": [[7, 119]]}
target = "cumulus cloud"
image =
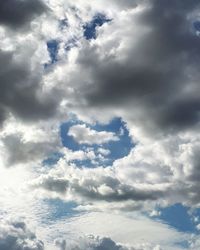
{"points": [[153, 174], [92, 242], [27, 143], [147, 73], [21, 90], [24, 99], [23, 152], [125, 230], [96, 186], [14, 234], [104, 151], [83, 134], [149, 79]]}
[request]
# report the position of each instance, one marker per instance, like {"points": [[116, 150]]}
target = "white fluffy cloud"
{"points": [[83, 134]]}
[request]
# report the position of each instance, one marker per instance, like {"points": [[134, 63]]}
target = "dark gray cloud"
{"points": [[160, 62], [20, 91], [14, 235], [18, 13], [102, 188], [20, 151], [111, 190]]}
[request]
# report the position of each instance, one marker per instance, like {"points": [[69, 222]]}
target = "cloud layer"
{"points": [[151, 78]]}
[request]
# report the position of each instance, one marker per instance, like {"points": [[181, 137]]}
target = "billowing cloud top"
{"points": [[15, 235]]}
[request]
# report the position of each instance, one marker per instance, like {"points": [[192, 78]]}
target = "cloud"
{"points": [[18, 13], [104, 151], [147, 73], [27, 143], [148, 80], [21, 90], [80, 155], [19, 151], [85, 135], [92, 242], [15, 235], [95, 186], [153, 173], [133, 232]]}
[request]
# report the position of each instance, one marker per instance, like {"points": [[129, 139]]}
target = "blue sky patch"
{"points": [[52, 159], [177, 216], [53, 48], [196, 25], [59, 209], [90, 27], [118, 149]]}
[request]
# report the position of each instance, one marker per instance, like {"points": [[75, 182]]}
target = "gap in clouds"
{"points": [[180, 217], [52, 159], [89, 33], [113, 149], [58, 209], [90, 27], [53, 48]]}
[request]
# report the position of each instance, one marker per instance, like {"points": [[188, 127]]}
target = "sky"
{"points": [[99, 125]]}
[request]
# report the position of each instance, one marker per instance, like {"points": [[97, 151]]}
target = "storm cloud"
{"points": [[18, 13]]}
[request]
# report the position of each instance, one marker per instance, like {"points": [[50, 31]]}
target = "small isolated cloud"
{"points": [[104, 151], [85, 135], [14, 235]]}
